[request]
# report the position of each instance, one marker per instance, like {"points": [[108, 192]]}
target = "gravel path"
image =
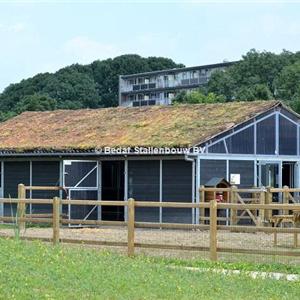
{"points": [[166, 236]]}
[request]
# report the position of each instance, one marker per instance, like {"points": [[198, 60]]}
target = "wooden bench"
{"points": [[293, 219]]}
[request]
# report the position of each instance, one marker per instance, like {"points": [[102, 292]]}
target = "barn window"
{"points": [[287, 137], [266, 140], [241, 142]]}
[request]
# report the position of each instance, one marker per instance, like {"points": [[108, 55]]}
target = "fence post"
{"points": [[130, 227], [285, 198], [202, 200], [213, 230], [233, 212], [295, 239], [21, 207], [262, 200], [268, 200], [56, 220]]}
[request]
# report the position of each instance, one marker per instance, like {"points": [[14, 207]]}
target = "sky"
{"points": [[43, 36]]}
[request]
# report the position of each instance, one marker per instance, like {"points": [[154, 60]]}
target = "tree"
{"points": [[36, 102], [70, 85], [195, 97], [222, 83], [255, 77], [288, 82], [254, 92]]}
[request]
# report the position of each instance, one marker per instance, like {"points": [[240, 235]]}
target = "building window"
{"points": [[194, 74]]}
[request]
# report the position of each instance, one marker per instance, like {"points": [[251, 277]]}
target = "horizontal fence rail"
{"points": [[213, 225], [273, 206]]}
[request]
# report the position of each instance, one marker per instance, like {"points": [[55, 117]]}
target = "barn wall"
{"points": [[177, 187], [166, 180], [246, 170], [211, 168], [218, 168], [44, 173], [143, 185], [15, 172]]}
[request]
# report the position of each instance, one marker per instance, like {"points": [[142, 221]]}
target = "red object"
{"points": [[219, 197]]}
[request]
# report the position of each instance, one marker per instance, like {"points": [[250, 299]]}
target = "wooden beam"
{"points": [[262, 200], [130, 227], [233, 212], [202, 200], [285, 198], [21, 208], [213, 230], [248, 211], [56, 219], [44, 188]]}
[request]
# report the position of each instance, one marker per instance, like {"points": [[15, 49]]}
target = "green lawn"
{"points": [[33, 270]]}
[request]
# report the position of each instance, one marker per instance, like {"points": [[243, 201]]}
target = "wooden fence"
{"points": [[259, 217], [213, 227]]}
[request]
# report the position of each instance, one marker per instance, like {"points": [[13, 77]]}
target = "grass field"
{"points": [[33, 270]]}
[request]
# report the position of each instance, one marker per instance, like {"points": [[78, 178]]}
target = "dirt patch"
{"points": [[259, 241]]}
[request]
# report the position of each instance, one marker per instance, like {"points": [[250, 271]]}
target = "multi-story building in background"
{"points": [[160, 87]]}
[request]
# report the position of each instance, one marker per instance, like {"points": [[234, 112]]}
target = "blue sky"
{"points": [[40, 36]]}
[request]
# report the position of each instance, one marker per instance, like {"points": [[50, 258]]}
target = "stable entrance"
{"points": [[94, 180], [81, 183], [112, 188]]}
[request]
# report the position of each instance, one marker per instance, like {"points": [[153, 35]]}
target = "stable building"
{"points": [[153, 153]]}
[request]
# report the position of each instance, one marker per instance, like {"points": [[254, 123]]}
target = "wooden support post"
{"points": [[130, 227], [262, 200], [21, 209], [56, 220], [213, 230], [295, 239], [202, 200], [285, 199], [268, 200], [233, 212]]}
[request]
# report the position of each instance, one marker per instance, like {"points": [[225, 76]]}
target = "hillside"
{"points": [[77, 86]]}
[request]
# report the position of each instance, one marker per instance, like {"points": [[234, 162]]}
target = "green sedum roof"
{"points": [[156, 126]]}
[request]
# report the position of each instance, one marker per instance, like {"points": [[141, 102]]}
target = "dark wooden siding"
{"points": [[246, 169], [44, 173], [211, 168], [143, 185], [177, 187], [14, 173]]}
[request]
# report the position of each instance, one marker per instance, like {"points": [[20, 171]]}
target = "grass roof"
{"points": [[157, 126]]}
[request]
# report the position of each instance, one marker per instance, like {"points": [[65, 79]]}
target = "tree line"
{"points": [[257, 76]]}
